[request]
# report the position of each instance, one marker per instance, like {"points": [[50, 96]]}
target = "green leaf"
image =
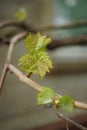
{"points": [[35, 42], [37, 63], [46, 96], [37, 60], [66, 103], [21, 14]]}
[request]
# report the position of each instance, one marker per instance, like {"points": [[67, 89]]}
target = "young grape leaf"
{"points": [[66, 103], [38, 63], [21, 14], [46, 96], [36, 42], [37, 60]]}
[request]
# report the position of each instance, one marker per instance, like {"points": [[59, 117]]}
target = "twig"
{"points": [[3, 75], [71, 121], [9, 56], [70, 25], [12, 42], [80, 105], [4, 40], [79, 40], [19, 24], [37, 86], [27, 27], [25, 79]]}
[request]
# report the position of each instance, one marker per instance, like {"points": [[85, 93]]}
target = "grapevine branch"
{"points": [[37, 86], [71, 121], [26, 26], [12, 23], [19, 74], [10, 67], [24, 79], [9, 56], [78, 40], [70, 25]]}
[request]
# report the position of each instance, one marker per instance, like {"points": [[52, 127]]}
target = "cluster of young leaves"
{"points": [[37, 60], [47, 95], [21, 14]]}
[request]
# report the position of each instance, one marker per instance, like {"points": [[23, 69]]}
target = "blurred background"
{"points": [[18, 109]]}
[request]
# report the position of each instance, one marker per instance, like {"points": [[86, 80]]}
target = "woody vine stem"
{"points": [[20, 75], [10, 67]]}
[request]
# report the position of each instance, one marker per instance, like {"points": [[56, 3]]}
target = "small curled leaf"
{"points": [[36, 42], [66, 103], [46, 96]]}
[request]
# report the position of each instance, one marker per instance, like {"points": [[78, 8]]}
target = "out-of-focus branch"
{"points": [[71, 25], [12, 23], [71, 121], [42, 28], [78, 40]]}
